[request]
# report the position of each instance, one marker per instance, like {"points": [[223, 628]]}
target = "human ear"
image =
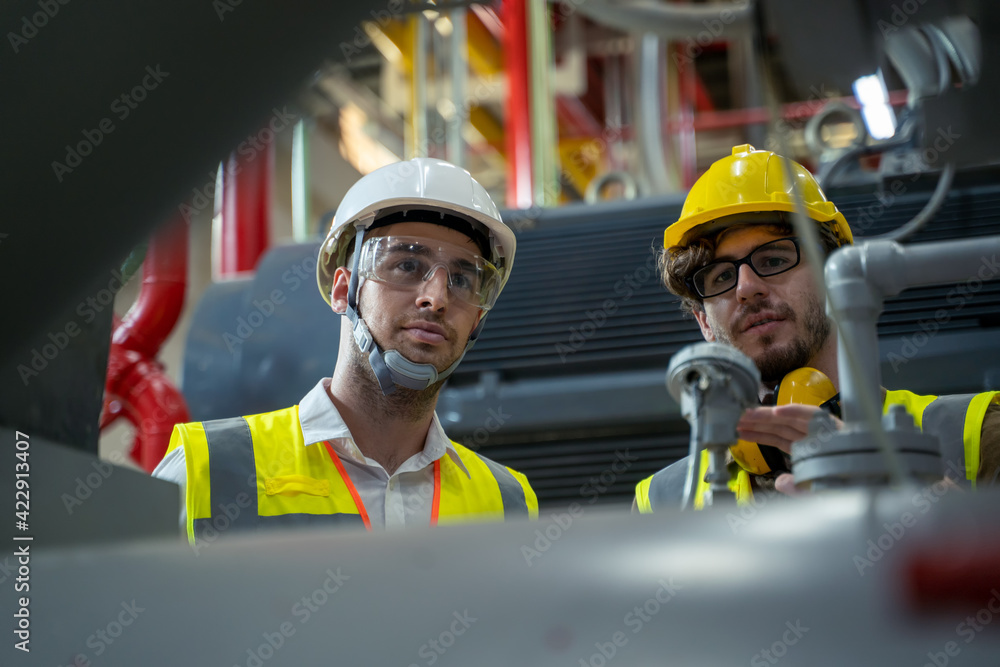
{"points": [[706, 330], [338, 295]]}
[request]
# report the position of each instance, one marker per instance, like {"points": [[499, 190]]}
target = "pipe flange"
{"points": [[840, 459]]}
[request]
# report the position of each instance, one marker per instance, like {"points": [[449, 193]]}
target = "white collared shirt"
{"points": [[392, 501]]}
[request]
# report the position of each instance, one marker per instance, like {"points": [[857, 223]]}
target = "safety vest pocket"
{"points": [[293, 485]]}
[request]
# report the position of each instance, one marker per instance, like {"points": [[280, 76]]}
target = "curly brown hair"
{"points": [[678, 263]]}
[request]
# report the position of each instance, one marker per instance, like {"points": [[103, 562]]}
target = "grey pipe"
{"points": [[419, 124], [458, 65], [860, 277], [671, 21], [649, 128]]}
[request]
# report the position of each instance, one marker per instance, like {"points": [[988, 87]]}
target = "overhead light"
{"points": [[874, 99]]}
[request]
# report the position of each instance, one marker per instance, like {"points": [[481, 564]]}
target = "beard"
{"points": [[776, 361], [403, 403]]}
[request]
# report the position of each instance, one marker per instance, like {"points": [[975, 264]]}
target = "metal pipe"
{"points": [[649, 109], [459, 61], [417, 139], [613, 115], [694, 453], [673, 21], [518, 121], [860, 277], [866, 401], [748, 88], [300, 182], [687, 90], [545, 184]]}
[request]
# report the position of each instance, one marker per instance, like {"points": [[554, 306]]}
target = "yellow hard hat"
{"points": [[751, 181]]}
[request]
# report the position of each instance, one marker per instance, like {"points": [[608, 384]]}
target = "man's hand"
{"points": [[785, 483], [778, 426]]}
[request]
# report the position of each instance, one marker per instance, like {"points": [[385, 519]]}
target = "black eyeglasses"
{"points": [[769, 259]]}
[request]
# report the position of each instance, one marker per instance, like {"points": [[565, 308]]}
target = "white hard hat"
{"points": [[420, 184]]}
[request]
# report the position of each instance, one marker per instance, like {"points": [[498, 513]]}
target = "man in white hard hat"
{"points": [[415, 258]]}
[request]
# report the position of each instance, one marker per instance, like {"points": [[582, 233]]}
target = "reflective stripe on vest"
{"points": [[956, 420], [256, 472]]}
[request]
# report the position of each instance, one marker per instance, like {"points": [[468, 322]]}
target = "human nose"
{"points": [[749, 284], [433, 290]]}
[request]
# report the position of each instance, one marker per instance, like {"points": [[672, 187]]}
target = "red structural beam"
{"points": [[717, 120], [518, 109]]}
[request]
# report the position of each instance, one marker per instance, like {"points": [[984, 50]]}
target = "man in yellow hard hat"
{"points": [[416, 257], [734, 260]]}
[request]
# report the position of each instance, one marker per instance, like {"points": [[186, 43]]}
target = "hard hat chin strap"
{"points": [[391, 368]]}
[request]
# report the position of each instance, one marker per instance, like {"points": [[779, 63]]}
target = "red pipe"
{"points": [[144, 395], [242, 234], [515, 41], [164, 280], [136, 387]]}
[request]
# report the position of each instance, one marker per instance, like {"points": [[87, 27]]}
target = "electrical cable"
{"points": [[902, 138], [922, 218], [806, 230]]}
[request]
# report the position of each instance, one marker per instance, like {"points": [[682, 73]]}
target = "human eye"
{"points": [[412, 265], [402, 264], [721, 274], [774, 261], [465, 278], [775, 258]]}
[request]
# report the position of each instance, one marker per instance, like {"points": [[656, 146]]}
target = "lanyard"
{"points": [[435, 501]]}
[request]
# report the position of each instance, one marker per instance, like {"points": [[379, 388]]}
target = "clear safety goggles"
{"points": [[411, 260]]}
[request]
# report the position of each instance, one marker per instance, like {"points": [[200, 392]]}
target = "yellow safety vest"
{"points": [[255, 472], [956, 420]]}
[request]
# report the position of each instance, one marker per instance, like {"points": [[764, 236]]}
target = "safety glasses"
{"points": [[769, 259], [411, 260]]}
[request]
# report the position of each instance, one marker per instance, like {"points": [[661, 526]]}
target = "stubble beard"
{"points": [[776, 361], [411, 405]]}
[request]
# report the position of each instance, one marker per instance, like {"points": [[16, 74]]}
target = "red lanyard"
{"points": [[435, 501]]}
